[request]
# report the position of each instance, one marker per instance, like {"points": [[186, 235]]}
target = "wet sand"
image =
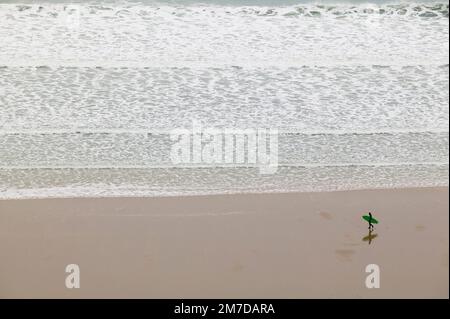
{"points": [[302, 245]]}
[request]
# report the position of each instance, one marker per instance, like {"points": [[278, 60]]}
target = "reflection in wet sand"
{"points": [[370, 237]]}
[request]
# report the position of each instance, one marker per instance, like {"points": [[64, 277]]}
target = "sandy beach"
{"points": [[229, 149], [297, 245]]}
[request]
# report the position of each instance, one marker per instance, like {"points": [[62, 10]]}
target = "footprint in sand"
{"points": [[420, 228], [345, 254], [326, 215], [237, 267]]}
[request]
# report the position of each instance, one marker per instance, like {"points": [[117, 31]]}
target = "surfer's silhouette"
{"points": [[370, 221]]}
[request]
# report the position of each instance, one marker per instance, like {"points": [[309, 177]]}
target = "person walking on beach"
{"points": [[370, 221]]}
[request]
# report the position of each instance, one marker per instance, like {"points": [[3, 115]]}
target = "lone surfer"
{"points": [[370, 221]]}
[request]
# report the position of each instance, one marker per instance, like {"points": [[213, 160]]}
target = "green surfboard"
{"points": [[367, 218]]}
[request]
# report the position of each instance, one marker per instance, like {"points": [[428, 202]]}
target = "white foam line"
{"points": [[195, 166], [231, 130], [214, 65], [73, 193]]}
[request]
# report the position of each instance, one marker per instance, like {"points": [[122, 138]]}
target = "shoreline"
{"points": [[250, 193], [284, 245]]}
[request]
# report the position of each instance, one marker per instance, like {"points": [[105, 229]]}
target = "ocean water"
{"points": [[91, 90]]}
